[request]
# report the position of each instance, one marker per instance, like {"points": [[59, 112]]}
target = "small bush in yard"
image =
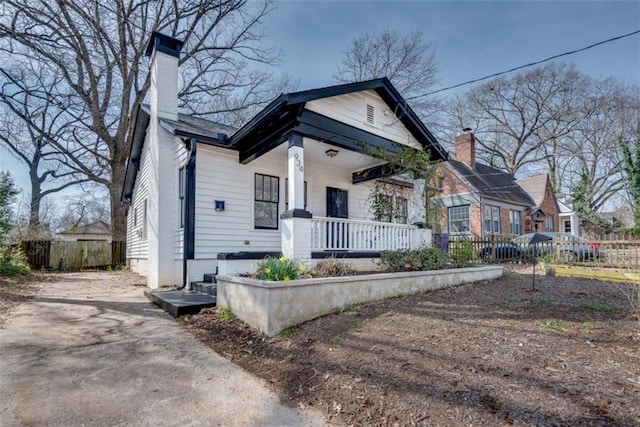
{"points": [[331, 267], [420, 259], [278, 269], [225, 315], [13, 261], [463, 253]]}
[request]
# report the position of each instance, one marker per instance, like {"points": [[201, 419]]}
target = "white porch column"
{"points": [[296, 222], [420, 237]]}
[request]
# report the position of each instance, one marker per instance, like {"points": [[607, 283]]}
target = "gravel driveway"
{"points": [[91, 350]]}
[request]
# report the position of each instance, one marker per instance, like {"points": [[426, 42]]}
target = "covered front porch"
{"points": [[335, 143]]}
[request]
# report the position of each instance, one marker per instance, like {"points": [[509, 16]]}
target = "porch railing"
{"points": [[347, 234]]}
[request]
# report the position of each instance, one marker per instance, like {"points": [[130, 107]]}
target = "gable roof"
{"points": [[535, 186], [283, 112], [98, 227], [492, 183]]}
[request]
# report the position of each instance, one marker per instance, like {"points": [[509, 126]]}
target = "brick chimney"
{"points": [[164, 54], [465, 148]]}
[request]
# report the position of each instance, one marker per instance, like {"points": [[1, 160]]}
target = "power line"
{"points": [[527, 65]]}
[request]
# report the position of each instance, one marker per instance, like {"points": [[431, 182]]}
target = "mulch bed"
{"points": [[491, 353]]}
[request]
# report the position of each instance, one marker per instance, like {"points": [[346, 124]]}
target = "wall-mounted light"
{"points": [[331, 153]]}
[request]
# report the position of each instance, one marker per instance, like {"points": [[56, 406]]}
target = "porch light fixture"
{"points": [[331, 153]]}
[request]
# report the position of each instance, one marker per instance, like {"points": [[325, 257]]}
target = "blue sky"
{"points": [[472, 39]]}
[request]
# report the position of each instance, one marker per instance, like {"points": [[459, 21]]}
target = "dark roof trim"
{"points": [[221, 140], [136, 143], [165, 44]]}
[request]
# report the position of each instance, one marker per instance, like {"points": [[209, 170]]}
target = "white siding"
{"points": [[137, 244], [220, 176], [181, 156], [352, 110]]}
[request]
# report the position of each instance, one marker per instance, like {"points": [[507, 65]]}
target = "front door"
{"points": [[337, 207]]}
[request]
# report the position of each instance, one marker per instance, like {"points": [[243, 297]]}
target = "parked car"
{"points": [[504, 251], [567, 246]]}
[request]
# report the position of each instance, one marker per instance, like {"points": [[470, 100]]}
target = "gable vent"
{"points": [[370, 114]]}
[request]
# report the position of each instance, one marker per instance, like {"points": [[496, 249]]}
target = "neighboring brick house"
{"points": [[480, 201], [541, 191]]}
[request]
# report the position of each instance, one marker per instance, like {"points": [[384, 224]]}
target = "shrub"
{"points": [[420, 259], [278, 269], [13, 261], [331, 267], [462, 254]]}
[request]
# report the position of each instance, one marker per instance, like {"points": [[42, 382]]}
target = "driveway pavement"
{"points": [[91, 350]]}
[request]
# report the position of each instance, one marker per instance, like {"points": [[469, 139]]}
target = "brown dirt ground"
{"points": [[491, 353], [17, 290]]}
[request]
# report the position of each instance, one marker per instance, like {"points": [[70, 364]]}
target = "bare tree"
{"points": [[31, 127], [594, 147], [81, 209], [98, 47], [407, 60], [518, 121]]}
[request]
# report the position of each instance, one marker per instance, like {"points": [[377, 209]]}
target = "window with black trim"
{"points": [[266, 198], [401, 210], [135, 216], [144, 219], [458, 219]]}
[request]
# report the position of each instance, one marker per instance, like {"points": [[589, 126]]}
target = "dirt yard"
{"points": [[15, 291], [493, 353]]}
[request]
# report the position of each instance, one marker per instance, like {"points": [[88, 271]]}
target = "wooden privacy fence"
{"points": [[61, 255]]}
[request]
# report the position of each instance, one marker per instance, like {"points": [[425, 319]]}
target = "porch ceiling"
{"points": [[315, 152]]}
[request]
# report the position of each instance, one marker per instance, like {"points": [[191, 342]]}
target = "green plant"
{"points": [[546, 260], [420, 259], [287, 333], [225, 315], [600, 307], [353, 308], [462, 253], [336, 339], [553, 324], [278, 269], [13, 262], [545, 302], [587, 325], [332, 267]]}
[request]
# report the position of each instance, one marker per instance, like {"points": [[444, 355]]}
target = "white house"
{"points": [[295, 180], [96, 231], [569, 219]]}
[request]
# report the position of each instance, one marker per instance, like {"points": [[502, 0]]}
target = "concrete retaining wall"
{"points": [[274, 306]]}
